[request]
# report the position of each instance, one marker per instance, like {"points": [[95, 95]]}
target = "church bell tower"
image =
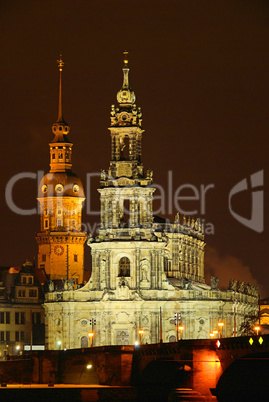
{"points": [[61, 195]]}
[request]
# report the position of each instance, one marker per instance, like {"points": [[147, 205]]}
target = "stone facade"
{"points": [[144, 269]]}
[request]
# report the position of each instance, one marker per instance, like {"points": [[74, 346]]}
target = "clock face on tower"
{"points": [[58, 250]]}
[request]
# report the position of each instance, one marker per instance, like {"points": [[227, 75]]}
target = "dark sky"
{"points": [[200, 71]]}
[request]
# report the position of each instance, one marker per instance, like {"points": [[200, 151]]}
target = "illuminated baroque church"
{"points": [[144, 269]]}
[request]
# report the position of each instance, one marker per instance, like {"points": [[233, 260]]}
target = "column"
{"points": [[108, 269], [102, 202], [137, 263], [117, 148], [71, 327], [114, 214], [160, 268], [132, 213], [153, 269]]}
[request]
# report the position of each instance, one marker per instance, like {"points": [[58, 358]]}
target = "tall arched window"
{"points": [[124, 266], [84, 341]]}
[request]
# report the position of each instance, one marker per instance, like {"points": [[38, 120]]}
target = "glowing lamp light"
{"points": [[89, 366], [257, 329], [18, 347], [221, 325], [141, 331], [211, 335], [180, 328], [91, 335]]}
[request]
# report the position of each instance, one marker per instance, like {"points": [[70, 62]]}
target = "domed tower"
{"points": [[61, 195]]}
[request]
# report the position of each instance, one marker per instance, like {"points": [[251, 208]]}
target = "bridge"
{"points": [[201, 363]]}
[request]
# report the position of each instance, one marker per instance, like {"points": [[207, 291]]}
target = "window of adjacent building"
{"points": [[46, 223], [7, 317], [21, 293], [59, 222], [36, 318], [43, 257], [32, 292], [53, 156], [19, 336], [23, 279], [2, 318], [2, 335], [75, 258], [60, 156], [30, 280], [19, 318], [59, 211], [124, 266], [7, 336]]}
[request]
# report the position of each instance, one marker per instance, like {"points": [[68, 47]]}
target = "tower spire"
{"points": [[126, 96], [125, 70], [60, 128], [60, 107]]}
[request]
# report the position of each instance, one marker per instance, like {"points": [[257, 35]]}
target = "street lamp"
{"points": [[257, 329], [18, 348], [180, 328], [221, 324], [211, 335], [215, 332], [59, 343], [91, 335], [141, 331]]}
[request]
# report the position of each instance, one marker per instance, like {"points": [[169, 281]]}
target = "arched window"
{"points": [[84, 342], [124, 266], [122, 337]]}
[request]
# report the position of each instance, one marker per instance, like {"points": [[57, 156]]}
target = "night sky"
{"points": [[200, 72]]}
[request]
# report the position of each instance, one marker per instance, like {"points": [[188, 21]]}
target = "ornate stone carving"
{"points": [[214, 282]]}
